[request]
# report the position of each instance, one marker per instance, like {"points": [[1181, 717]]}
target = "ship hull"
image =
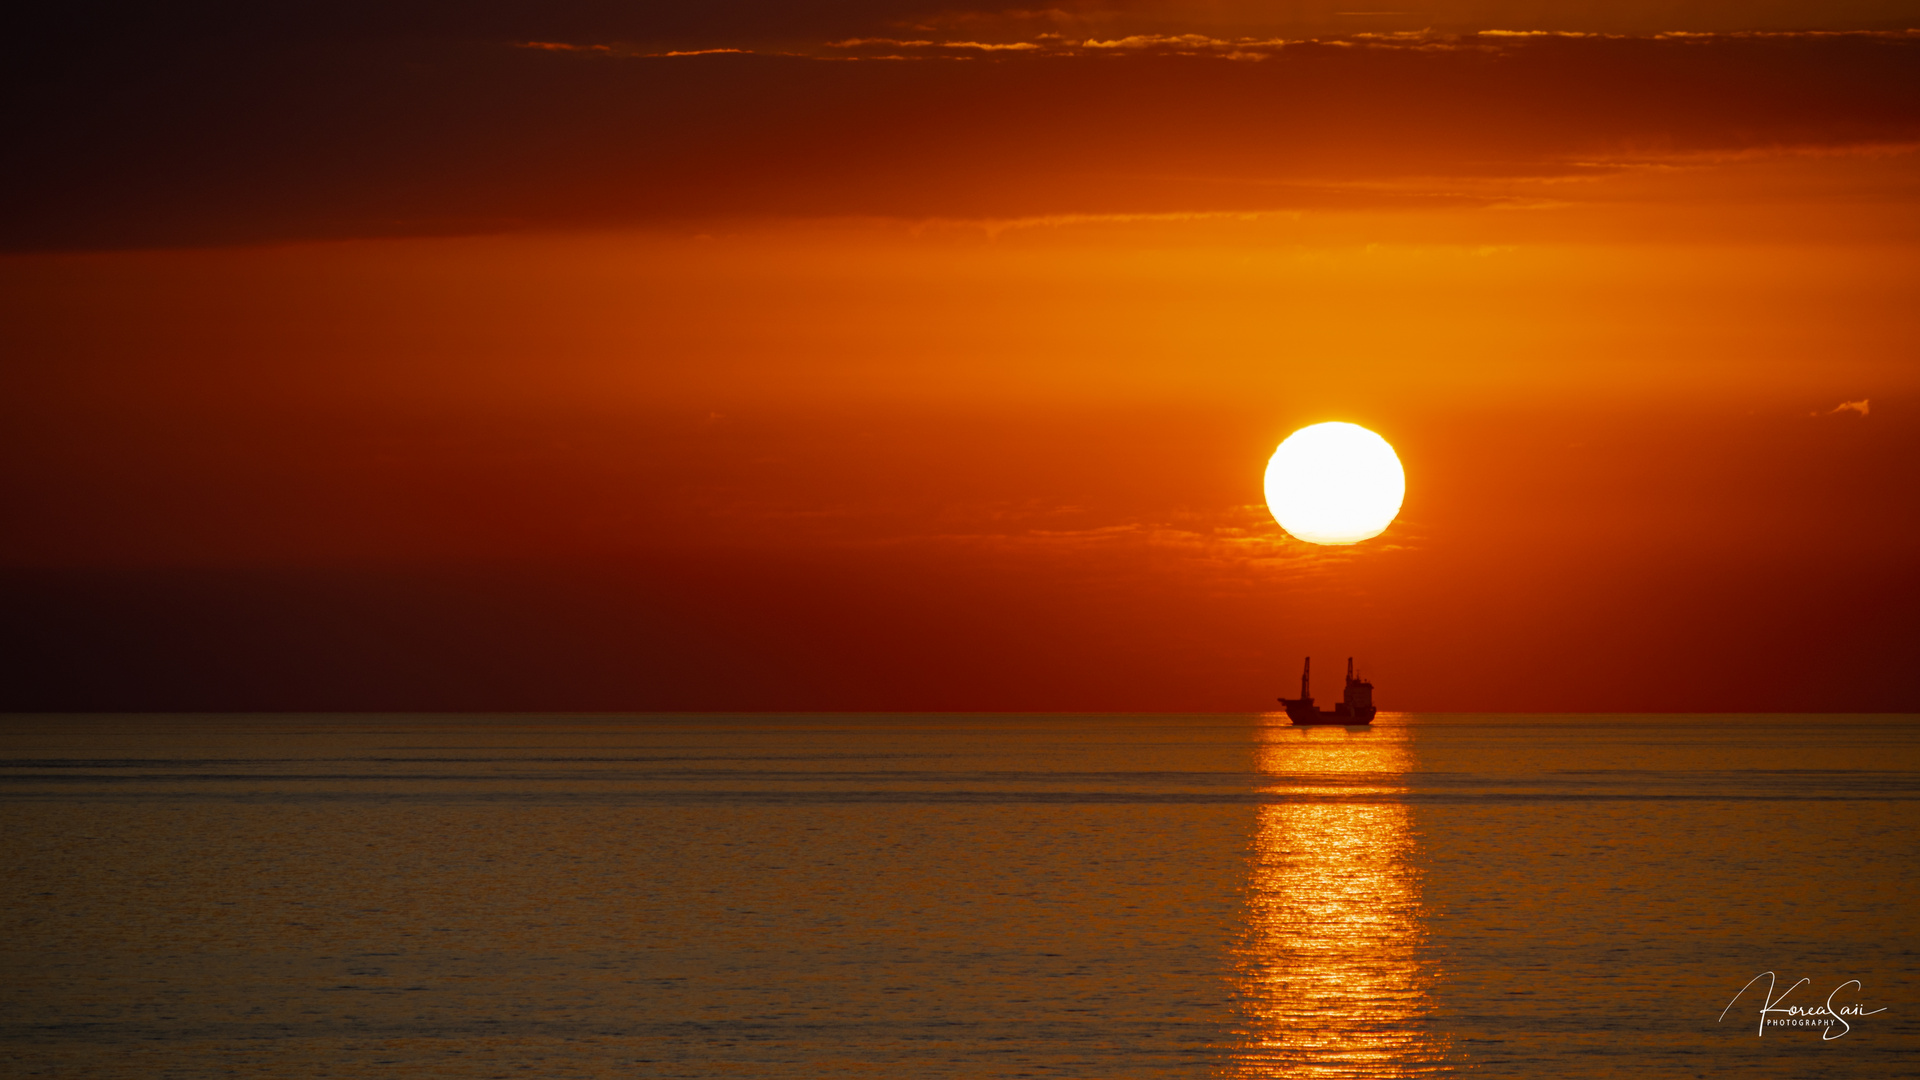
{"points": [[1341, 716]]}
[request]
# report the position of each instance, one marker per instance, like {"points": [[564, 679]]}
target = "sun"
{"points": [[1335, 483]]}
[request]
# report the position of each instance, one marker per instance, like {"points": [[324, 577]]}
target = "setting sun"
{"points": [[1335, 483]]}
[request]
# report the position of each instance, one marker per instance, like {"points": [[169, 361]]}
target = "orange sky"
{"points": [[369, 365]]}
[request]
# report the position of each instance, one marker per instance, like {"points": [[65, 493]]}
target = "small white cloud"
{"points": [[1850, 406]]}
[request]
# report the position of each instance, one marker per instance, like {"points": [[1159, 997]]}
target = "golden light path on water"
{"points": [[1330, 975]]}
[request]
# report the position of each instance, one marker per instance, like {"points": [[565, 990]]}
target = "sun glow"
{"points": [[1335, 483]]}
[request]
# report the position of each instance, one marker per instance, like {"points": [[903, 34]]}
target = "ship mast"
{"points": [[1305, 673]]}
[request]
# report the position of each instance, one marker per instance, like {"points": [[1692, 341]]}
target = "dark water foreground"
{"points": [[931, 896]]}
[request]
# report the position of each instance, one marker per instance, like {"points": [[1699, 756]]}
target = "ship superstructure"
{"points": [[1356, 706]]}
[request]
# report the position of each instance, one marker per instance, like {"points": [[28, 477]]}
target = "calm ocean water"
{"points": [[956, 896]]}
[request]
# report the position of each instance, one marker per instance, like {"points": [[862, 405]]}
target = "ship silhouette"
{"points": [[1357, 708]]}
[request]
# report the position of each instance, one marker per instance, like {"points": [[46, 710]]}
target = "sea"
{"points": [[987, 895]]}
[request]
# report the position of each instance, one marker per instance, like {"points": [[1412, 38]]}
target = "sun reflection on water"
{"points": [[1330, 976]]}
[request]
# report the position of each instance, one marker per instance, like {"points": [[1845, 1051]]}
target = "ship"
{"points": [[1357, 708]]}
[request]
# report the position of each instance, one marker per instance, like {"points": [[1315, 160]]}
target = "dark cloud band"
{"points": [[227, 142]]}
